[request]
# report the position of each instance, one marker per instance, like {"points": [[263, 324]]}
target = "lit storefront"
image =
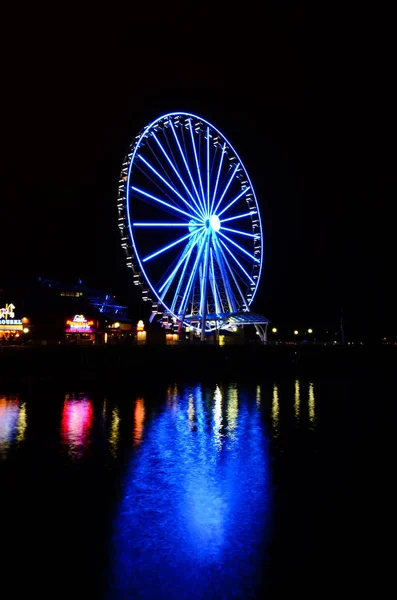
{"points": [[80, 330], [10, 326]]}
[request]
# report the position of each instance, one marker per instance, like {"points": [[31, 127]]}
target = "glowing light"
{"points": [[114, 432], [185, 257], [167, 122], [26, 329], [232, 410], [183, 212], [258, 395], [296, 332], [8, 311], [140, 326], [248, 214], [168, 184], [178, 241], [116, 325], [239, 264], [197, 163], [297, 399], [77, 416], [79, 324], [217, 412], [176, 171], [274, 330], [215, 223], [139, 418], [242, 193], [275, 409], [184, 159], [227, 187], [310, 331], [7, 319], [11, 422], [239, 247], [22, 423], [217, 178], [312, 405], [161, 224], [251, 235]]}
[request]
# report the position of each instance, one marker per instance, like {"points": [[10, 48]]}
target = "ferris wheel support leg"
{"points": [[262, 334], [204, 298]]}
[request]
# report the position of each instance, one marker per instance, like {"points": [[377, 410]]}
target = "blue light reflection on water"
{"points": [[195, 512]]}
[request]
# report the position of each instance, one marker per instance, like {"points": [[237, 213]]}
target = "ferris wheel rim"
{"points": [[132, 238]]}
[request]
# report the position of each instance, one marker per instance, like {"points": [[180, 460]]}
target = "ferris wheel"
{"points": [[190, 224]]}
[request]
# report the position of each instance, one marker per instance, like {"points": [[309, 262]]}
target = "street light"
{"points": [[296, 332], [26, 330], [274, 330], [310, 331]]}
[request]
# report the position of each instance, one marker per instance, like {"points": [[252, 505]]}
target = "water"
{"points": [[198, 491]]}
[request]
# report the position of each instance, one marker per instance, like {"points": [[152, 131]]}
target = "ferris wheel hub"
{"points": [[214, 223]]}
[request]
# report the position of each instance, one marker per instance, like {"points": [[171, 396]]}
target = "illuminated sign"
{"points": [[79, 325], [8, 322], [140, 326]]}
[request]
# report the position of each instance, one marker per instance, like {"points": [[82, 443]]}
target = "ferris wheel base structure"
{"points": [[190, 226]]}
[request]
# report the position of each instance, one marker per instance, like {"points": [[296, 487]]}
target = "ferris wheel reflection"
{"points": [[197, 488]]}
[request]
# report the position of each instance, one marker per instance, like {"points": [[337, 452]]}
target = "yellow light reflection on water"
{"points": [[172, 398], [217, 412], [258, 395], [297, 402], [312, 404], [275, 408], [22, 423], [114, 431], [232, 410]]}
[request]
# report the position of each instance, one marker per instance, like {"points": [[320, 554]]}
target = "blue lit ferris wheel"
{"points": [[190, 224]]}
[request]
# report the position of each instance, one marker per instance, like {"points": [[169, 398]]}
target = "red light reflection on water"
{"points": [[77, 416], [139, 418]]}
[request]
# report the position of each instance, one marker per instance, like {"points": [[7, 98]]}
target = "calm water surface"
{"points": [[198, 491]]}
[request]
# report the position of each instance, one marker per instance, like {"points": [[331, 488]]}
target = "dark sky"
{"points": [[301, 96]]}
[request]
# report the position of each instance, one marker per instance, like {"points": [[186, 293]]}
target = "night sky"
{"points": [[302, 99]]}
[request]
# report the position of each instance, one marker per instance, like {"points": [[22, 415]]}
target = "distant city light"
{"points": [[310, 331], [274, 330], [296, 332], [116, 325]]}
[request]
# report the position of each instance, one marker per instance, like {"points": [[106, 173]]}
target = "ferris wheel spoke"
{"points": [[184, 160], [234, 278], [251, 235], [242, 193], [251, 256], [208, 170], [238, 262], [194, 210], [203, 292], [227, 186], [165, 248], [214, 287], [171, 206], [177, 172], [248, 214], [182, 277], [197, 162], [192, 277], [217, 177], [184, 258], [225, 279], [160, 224]]}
